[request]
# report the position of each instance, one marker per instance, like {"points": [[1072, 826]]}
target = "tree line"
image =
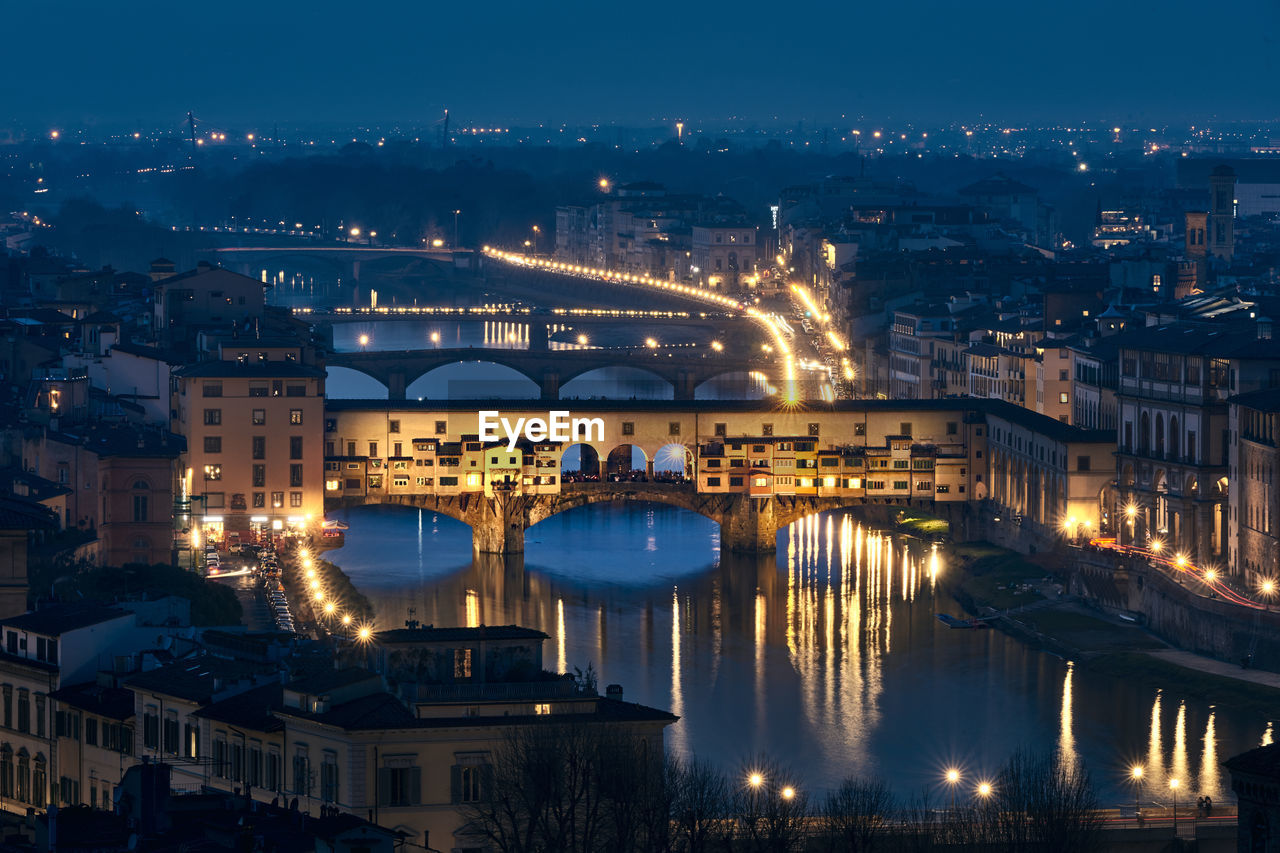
{"points": [[581, 789]]}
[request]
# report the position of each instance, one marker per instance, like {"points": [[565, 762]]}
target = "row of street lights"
{"points": [[329, 607]]}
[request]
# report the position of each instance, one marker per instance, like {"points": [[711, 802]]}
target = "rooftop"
{"points": [[60, 619], [199, 679], [115, 703]]}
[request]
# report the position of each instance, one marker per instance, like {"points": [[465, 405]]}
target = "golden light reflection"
{"points": [[1155, 747], [1178, 767], [677, 688], [1268, 737], [1210, 773], [562, 664], [473, 609], [1066, 737]]}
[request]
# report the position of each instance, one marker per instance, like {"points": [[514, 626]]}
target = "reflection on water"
{"points": [[828, 655]]}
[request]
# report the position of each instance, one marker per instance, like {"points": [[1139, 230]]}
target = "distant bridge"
{"points": [[345, 259], [550, 369]]}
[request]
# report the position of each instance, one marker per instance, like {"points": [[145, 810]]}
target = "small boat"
{"points": [[952, 622]]}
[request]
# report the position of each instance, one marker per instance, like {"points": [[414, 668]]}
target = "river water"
{"points": [[827, 656]]}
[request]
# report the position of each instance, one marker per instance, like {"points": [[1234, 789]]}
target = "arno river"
{"points": [[827, 657]]}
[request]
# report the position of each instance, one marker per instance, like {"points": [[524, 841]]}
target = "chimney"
{"points": [[614, 691]]}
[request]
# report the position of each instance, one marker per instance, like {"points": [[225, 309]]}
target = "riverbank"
{"points": [[1023, 597]]}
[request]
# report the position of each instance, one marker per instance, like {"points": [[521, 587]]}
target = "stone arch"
{"points": [[359, 379], [627, 462], [675, 457], [661, 389], [1127, 478], [515, 385], [751, 385], [581, 462]]}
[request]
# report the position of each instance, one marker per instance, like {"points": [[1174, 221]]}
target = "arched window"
{"points": [[1144, 434], [1175, 440], [1159, 435], [141, 485]]}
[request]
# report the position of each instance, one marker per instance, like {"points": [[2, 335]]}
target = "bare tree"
{"points": [[575, 789], [856, 813], [1045, 805], [699, 804]]}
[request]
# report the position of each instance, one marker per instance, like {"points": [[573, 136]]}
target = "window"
{"points": [[295, 416], [295, 499], [191, 741], [673, 428], [399, 786], [271, 778], [295, 475], [171, 743], [295, 390], [722, 430], [735, 481], [40, 715], [542, 709], [462, 663], [860, 429], [24, 710], [904, 428], [257, 389], [212, 389], [295, 447], [259, 500], [140, 508], [713, 481], [259, 417], [150, 729], [213, 444], [628, 428], [766, 429], [213, 472], [373, 448], [468, 782], [301, 774], [277, 500], [952, 428], [213, 417], [813, 429], [393, 426], [442, 427], [329, 778], [1062, 397], [1083, 463]]}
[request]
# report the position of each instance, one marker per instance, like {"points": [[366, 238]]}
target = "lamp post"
{"points": [[536, 232], [953, 779], [455, 227], [1136, 775]]}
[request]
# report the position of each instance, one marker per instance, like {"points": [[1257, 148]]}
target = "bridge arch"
{"points": [[732, 384], [588, 387], [513, 384], [352, 383]]}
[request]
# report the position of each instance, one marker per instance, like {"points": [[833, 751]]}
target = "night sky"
{"points": [[89, 61]]}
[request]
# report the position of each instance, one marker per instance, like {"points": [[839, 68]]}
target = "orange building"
{"points": [[254, 424]]}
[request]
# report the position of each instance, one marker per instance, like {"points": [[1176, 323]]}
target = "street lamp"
{"points": [[1135, 773], [455, 228], [953, 779], [755, 780], [788, 793], [536, 232], [984, 790]]}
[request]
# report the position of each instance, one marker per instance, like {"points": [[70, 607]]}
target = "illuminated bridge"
{"points": [[751, 467]]}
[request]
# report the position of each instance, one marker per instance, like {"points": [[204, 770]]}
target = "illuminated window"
{"points": [[542, 708], [332, 485], [462, 663]]}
